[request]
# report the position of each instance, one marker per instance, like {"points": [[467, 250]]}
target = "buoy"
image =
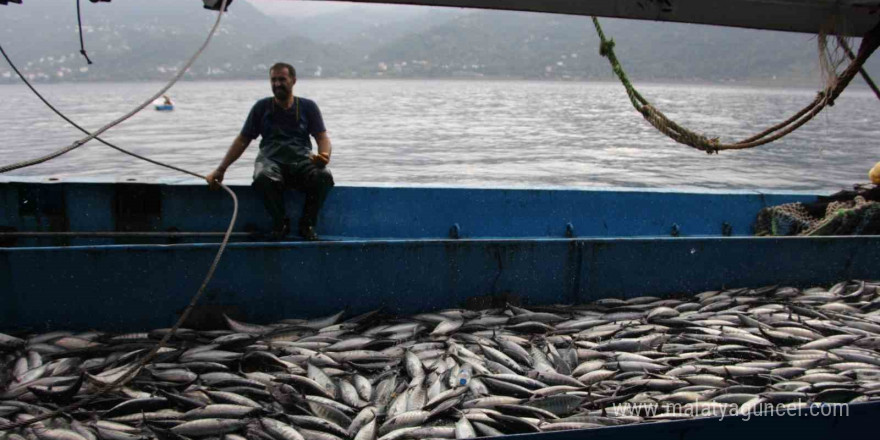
{"points": [[874, 175]]}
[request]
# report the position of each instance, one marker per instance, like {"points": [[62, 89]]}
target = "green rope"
{"points": [[713, 145], [652, 115], [606, 49]]}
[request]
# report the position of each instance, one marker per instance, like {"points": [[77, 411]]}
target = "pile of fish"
{"points": [[456, 373]]}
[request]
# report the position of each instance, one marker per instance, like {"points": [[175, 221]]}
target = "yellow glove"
{"points": [[874, 175]]}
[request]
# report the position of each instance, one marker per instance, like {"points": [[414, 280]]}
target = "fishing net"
{"points": [[833, 44], [845, 213]]}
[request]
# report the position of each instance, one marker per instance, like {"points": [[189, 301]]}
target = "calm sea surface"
{"points": [[462, 133]]}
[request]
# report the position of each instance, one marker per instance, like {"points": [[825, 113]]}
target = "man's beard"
{"points": [[280, 93]]}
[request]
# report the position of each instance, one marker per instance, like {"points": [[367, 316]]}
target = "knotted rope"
{"points": [[711, 145]]}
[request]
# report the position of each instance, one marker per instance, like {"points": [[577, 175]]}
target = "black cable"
{"points": [[82, 45], [195, 299], [80, 142], [57, 112]]}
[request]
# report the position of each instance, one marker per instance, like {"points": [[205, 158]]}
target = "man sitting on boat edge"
{"points": [[285, 160]]}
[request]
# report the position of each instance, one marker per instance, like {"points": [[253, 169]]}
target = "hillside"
{"points": [[149, 40]]}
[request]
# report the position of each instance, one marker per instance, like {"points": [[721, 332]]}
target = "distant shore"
{"points": [[809, 83]]}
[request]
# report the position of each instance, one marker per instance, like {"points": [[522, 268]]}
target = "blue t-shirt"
{"points": [[285, 132]]}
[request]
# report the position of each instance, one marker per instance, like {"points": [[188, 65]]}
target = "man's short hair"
{"points": [[289, 68]]}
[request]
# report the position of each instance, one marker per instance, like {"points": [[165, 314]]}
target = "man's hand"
{"points": [[215, 178], [320, 159]]}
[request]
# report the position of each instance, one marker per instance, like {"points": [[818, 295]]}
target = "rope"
{"points": [[152, 354], [82, 45], [69, 121], [78, 143], [862, 71], [134, 370], [713, 145]]}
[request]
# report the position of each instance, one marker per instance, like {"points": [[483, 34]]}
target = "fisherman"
{"points": [[167, 100], [285, 159]]}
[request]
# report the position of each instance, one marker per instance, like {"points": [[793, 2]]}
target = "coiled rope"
{"points": [[687, 137], [134, 370]]}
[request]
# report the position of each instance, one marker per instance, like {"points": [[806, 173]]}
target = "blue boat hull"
{"points": [[390, 248], [164, 108], [30, 204], [145, 286]]}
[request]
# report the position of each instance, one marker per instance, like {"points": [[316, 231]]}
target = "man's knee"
{"points": [[318, 178], [325, 178], [267, 172], [264, 182]]}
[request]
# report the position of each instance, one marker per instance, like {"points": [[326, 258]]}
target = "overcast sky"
{"points": [[303, 8], [296, 7]]}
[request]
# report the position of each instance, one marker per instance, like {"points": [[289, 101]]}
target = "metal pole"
{"points": [[852, 56]]}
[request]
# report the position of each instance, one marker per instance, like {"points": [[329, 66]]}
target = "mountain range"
{"points": [[131, 40]]}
